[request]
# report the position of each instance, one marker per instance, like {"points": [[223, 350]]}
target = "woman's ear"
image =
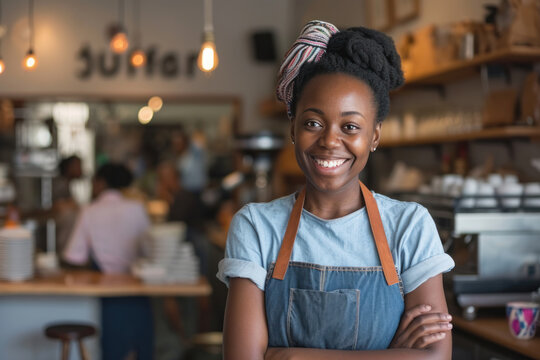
{"points": [[376, 136], [292, 130]]}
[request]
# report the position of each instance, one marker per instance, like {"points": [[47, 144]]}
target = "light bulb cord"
{"points": [[1, 25], [31, 23], [121, 14], [208, 19], [137, 23]]}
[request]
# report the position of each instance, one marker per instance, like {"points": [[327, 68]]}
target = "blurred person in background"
{"points": [[65, 207], [108, 236], [167, 182], [185, 316], [108, 231], [191, 159]]}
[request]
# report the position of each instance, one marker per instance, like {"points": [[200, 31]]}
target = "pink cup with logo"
{"points": [[522, 318]]}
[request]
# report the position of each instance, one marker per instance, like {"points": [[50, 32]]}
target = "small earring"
{"points": [[292, 140], [373, 149]]}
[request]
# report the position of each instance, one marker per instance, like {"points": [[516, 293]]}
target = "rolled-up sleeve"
{"points": [[422, 254], [243, 257]]}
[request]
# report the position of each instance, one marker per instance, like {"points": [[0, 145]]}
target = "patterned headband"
{"points": [[309, 47]]}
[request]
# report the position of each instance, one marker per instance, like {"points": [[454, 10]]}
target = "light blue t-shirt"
{"points": [[257, 230]]}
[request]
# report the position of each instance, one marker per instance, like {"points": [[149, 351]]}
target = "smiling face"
{"points": [[334, 131]]}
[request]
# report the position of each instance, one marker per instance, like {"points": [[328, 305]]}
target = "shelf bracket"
{"points": [[484, 78], [441, 89], [495, 70], [507, 74]]}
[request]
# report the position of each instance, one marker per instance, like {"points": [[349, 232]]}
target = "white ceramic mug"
{"points": [[468, 191], [510, 179], [495, 180], [451, 184], [46, 261], [530, 190], [511, 194], [486, 189]]}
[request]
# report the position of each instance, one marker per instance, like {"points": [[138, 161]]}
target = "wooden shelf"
{"points": [[450, 72], [496, 330], [493, 133], [459, 69]]}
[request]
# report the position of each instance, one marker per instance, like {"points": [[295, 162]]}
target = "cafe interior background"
{"points": [[461, 138]]}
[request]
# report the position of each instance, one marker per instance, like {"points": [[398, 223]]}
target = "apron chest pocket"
{"points": [[324, 320]]}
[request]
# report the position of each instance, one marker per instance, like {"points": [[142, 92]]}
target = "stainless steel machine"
{"points": [[496, 250], [507, 258], [259, 152]]}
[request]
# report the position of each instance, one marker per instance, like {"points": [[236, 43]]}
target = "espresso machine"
{"points": [[258, 152], [507, 254], [496, 250]]}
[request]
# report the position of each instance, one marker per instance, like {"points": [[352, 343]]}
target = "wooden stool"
{"points": [[67, 332]]}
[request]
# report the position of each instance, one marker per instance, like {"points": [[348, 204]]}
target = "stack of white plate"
{"points": [[185, 267], [164, 241], [170, 258], [16, 254]]}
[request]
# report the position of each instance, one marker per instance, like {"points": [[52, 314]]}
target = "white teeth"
{"points": [[330, 163]]}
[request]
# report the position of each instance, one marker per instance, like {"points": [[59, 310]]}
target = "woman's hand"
{"points": [[420, 328], [278, 354]]}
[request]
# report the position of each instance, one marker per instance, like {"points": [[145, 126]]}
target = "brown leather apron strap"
{"points": [[377, 229], [282, 262], [385, 256]]}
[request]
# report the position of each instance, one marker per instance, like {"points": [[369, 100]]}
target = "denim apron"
{"points": [[333, 307]]}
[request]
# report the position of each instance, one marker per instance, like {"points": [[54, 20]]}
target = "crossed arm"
{"points": [[423, 333]]}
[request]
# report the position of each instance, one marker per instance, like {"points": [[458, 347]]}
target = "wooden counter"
{"points": [[89, 283], [495, 330]]}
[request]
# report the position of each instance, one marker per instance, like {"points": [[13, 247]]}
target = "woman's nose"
{"points": [[329, 138]]}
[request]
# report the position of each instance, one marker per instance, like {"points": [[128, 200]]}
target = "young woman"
{"points": [[336, 271]]}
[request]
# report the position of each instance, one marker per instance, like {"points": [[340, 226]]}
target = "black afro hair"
{"points": [[367, 54], [116, 176]]}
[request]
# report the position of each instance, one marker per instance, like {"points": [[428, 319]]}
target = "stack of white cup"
{"points": [[506, 188], [495, 190], [468, 191], [531, 192], [510, 192]]}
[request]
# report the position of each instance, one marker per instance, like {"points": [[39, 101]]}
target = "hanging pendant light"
{"points": [[208, 58], [30, 60], [2, 64], [119, 41], [137, 57]]}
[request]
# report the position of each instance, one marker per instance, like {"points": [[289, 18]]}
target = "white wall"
{"points": [[444, 12], [342, 13], [63, 26]]}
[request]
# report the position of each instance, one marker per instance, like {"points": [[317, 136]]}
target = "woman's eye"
{"points": [[312, 123], [351, 127]]}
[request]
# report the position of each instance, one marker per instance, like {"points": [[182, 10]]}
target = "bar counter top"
{"points": [[92, 283], [495, 330]]}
